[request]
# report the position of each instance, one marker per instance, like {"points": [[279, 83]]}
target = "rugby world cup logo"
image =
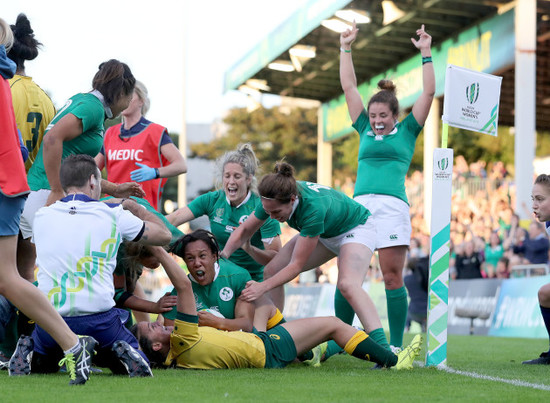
{"points": [[472, 93], [443, 163]]}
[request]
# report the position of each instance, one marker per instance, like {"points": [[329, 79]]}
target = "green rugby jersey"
{"points": [[322, 211], [224, 218], [90, 110], [385, 160], [222, 294]]}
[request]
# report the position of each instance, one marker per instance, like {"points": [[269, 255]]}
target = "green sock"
{"points": [[332, 349], [365, 348], [342, 308], [398, 306], [379, 337]]}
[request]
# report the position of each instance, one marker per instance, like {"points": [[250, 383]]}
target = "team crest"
{"points": [[226, 294]]}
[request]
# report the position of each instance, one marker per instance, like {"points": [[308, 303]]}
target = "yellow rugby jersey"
{"points": [[33, 110], [204, 347]]}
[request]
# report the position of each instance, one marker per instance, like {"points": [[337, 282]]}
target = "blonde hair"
{"points": [[143, 94], [245, 157], [6, 35]]}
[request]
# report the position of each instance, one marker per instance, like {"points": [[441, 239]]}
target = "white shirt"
{"points": [[77, 240]]}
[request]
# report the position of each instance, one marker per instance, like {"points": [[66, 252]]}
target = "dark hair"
{"points": [[25, 46], [178, 248], [76, 169], [386, 95], [113, 80], [543, 179], [156, 358], [279, 185]]}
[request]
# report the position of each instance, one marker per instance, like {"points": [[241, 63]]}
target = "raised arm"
{"points": [[241, 234], [347, 73], [421, 107], [182, 284]]}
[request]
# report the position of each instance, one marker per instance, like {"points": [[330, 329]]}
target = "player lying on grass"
{"points": [[217, 285], [187, 345]]}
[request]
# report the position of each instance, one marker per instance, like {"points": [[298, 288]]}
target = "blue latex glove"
{"points": [[143, 174]]}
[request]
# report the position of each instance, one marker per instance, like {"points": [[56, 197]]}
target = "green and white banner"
{"points": [[471, 100]]}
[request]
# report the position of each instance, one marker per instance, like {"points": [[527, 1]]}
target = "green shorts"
{"points": [[280, 349]]}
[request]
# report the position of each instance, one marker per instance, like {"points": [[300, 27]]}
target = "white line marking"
{"points": [[515, 382]]}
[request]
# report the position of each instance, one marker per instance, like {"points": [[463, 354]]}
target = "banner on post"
{"points": [[471, 100]]}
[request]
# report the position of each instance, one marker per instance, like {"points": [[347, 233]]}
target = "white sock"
{"points": [[74, 349]]}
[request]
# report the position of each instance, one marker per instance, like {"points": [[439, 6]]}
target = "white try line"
{"points": [[515, 382]]}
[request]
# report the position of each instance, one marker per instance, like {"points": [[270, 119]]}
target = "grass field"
{"points": [[480, 368]]}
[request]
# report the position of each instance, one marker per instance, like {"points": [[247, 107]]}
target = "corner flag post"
{"points": [[471, 102]]}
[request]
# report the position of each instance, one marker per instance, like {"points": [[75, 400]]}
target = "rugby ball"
{"points": [[213, 312]]}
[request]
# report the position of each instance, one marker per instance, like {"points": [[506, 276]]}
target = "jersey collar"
{"points": [[247, 198], [294, 207], [216, 272], [77, 197], [106, 107], [394, 131]]}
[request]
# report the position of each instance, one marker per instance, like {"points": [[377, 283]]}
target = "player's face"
{"points": [[134, 107], [235, 183], [155, 332], [541, 202], [200, 262], [381, 118], [277, 210]]}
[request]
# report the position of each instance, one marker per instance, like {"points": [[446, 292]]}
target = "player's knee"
{"points": [[393, 280]]}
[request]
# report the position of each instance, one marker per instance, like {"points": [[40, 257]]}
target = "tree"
{"points": [[274, 135]]}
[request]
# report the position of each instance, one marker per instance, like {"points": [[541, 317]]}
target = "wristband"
{"points": [[344, 50], [427, 59], [157, 171]]}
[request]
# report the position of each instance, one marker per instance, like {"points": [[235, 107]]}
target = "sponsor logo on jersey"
{"points": [[125, 155], [229, 228], [243, 219], [274, 337], [393, 237], [226, 294]]}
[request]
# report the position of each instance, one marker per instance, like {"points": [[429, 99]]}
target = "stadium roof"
{"points": [[381, 46]]}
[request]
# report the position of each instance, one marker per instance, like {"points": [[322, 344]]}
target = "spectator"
{"points": [[535, 247], [493, 252], [503, 268], [468, 263]]}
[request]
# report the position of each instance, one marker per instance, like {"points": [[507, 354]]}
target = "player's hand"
{"points": [[207, 319], [424, 40], [348, 36], [127, 189], [166, 303], [55, 196], [144, 173], [253, 291]]}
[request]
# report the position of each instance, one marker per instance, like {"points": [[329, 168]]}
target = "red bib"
{"points": [[121, 155], [13, 178]]}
